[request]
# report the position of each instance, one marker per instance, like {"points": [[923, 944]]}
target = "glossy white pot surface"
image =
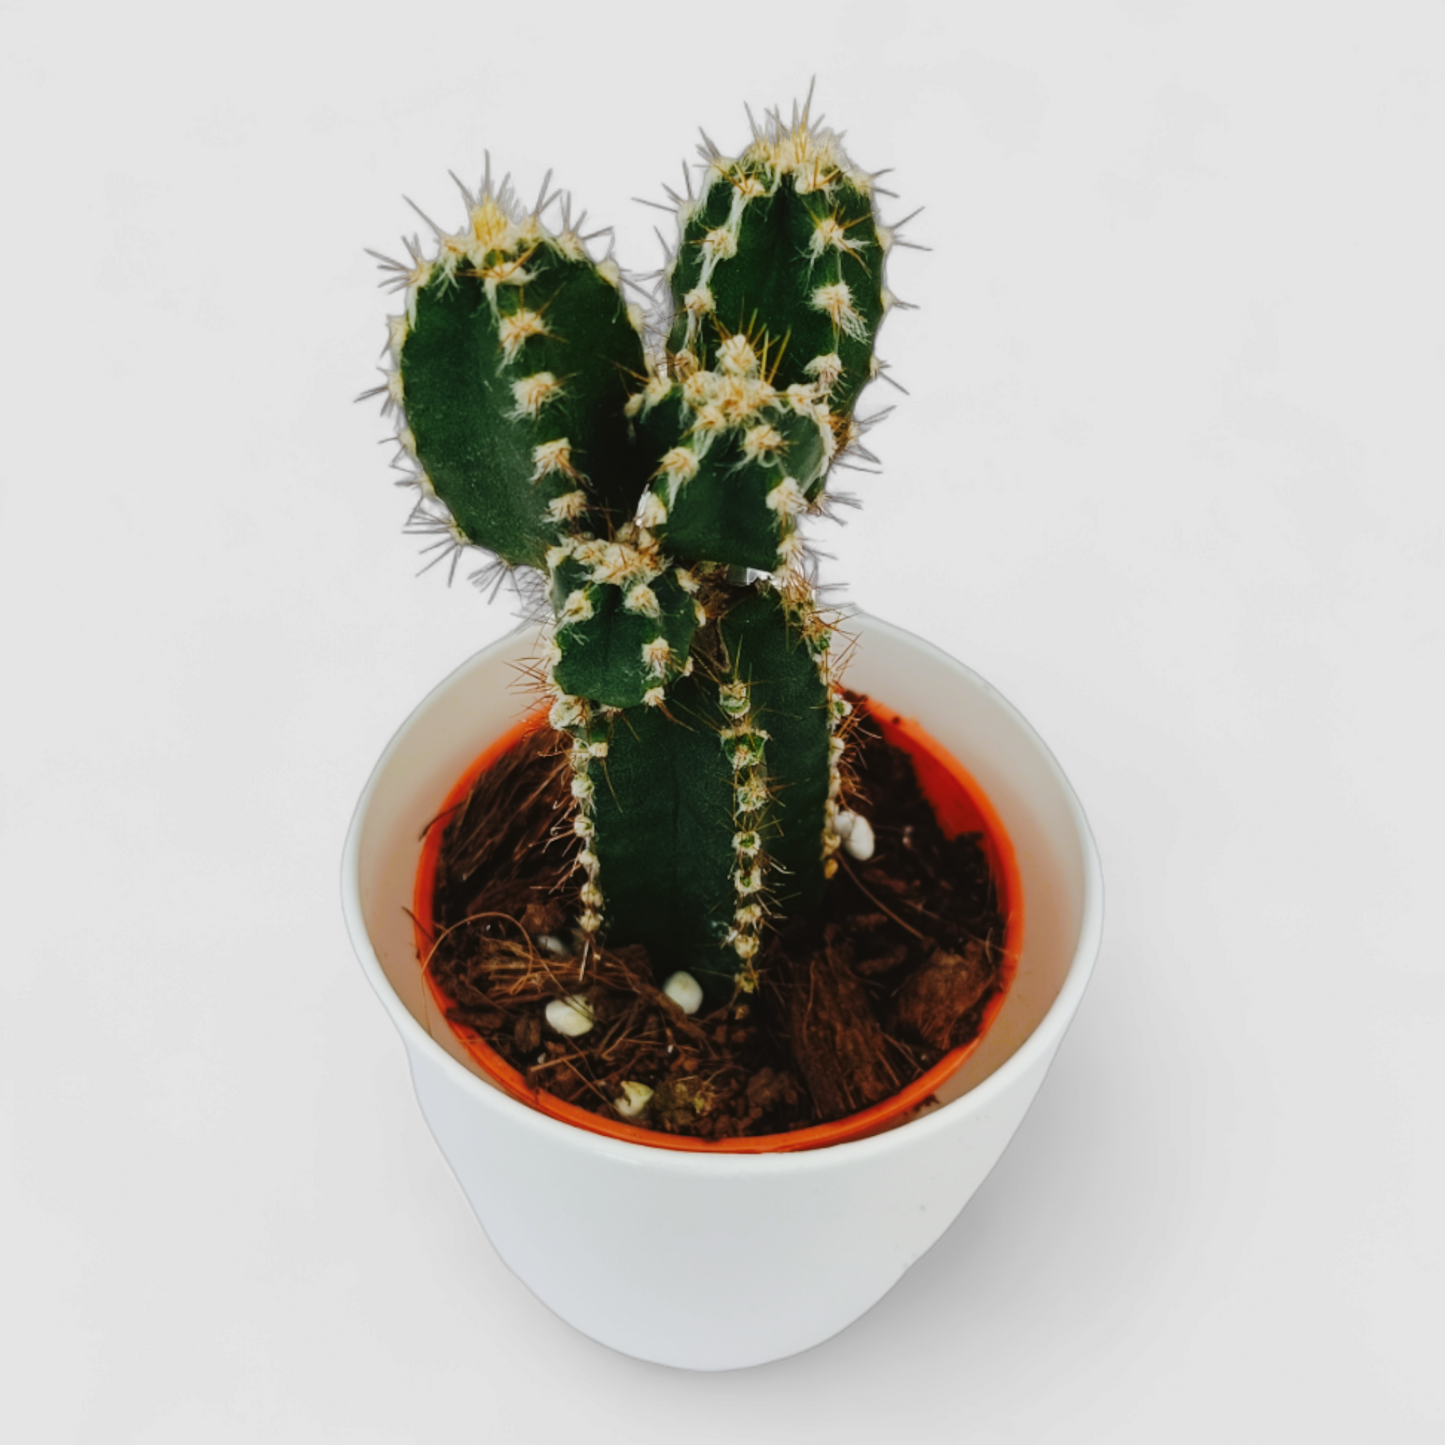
{"points": [[612, 1236]]}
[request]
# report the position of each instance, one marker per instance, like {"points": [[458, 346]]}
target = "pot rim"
{"points": [[911, 1133]]}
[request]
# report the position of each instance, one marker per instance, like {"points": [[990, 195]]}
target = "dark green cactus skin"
{"points": [[478, 444], [604, 655], [721, 510], [769, 245], [701, 710], [771, 652], [665, 803]]}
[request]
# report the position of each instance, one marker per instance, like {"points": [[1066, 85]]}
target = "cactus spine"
{"points": [[702, 710]]}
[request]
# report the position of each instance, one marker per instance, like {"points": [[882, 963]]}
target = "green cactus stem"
{"points": [[625, 621], [517, 355], [703, 819], [735, 461], [783, 247], [704, 718]]}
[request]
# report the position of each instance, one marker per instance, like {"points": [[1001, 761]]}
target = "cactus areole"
{"points": [[655, 475]]}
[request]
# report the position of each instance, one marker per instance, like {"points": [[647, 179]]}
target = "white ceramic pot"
{"points": [[609, 1234]]}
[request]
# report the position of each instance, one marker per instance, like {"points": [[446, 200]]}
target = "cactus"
{"points": [[648, 486]]}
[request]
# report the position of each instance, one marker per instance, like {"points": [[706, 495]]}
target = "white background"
{"points": [[1169, 475]]}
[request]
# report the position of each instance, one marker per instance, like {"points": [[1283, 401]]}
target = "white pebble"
{"points": [[634, 1099], [570, 1016], [553, 945], [843, 822], [858, 840], [685, 991]]}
